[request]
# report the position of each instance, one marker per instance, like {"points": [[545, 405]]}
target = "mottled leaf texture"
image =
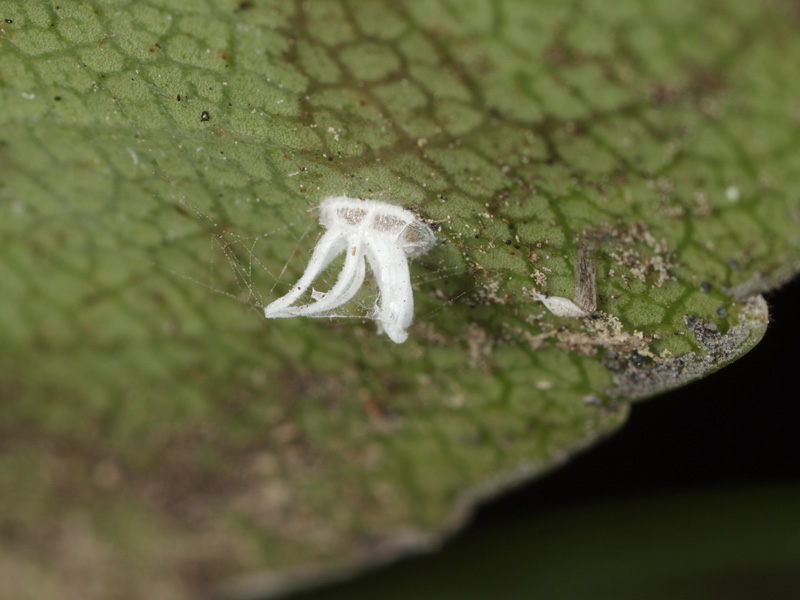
{"points": [[160, 162]]}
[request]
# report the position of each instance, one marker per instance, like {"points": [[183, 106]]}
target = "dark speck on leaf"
{"points": [[705, 287], [722, 312], [205, 116], [57, 98], [330, 159], [179, 97], [9, 21], [508, 242]]}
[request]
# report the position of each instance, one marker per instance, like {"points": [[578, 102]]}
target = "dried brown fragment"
{"points": [[585, 279]]}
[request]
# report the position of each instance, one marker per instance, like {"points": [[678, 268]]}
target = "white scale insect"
{"points": [[367, 231], [560, 307]]}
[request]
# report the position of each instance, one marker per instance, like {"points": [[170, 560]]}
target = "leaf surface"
{"points": [[159, 166]]}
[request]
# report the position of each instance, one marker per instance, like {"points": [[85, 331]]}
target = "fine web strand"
{"points": [[249, 270]]}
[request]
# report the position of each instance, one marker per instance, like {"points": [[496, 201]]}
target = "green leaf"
{"points": [[159, 163]]}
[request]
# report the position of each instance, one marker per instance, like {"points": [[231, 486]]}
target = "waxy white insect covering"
{"points": [[368, 232]]}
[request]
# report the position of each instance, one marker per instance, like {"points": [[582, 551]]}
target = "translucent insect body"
{"points": [[560, 307], [367, 231]]}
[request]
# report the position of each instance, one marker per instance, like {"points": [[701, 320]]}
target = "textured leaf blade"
{"points": [[159, 163]]}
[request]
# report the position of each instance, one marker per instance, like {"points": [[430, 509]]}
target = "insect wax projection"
{"points": [[367, 231]]}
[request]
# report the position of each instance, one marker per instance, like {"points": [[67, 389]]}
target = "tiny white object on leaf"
{"points": [[367, 231], [560, 307]]}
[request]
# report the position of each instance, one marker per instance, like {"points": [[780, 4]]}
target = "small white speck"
{"points": [[732, 193], [134, 158], [28, 96]]}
